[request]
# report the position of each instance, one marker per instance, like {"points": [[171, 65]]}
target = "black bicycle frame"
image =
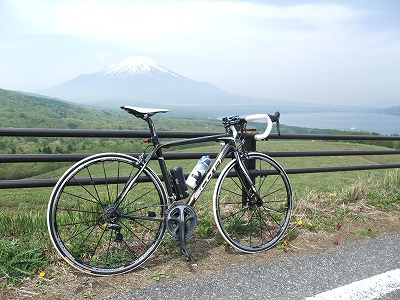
{"points": [[228, 148]]}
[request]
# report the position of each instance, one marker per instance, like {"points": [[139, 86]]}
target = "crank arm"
{"points": [[182, 238]]}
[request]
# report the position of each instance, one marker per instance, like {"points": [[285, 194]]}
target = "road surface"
{"points": [[356, 267]]}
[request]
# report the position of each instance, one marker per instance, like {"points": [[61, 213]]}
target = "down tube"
{"points": [[206, 179]]}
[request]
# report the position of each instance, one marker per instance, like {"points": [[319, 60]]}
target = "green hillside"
{"points": [[19, 110], [23, 111]]}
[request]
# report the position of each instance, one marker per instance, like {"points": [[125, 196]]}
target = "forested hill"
{"points": [[18, 110], [23, 111]]}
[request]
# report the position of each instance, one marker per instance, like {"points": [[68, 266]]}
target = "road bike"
{"points": [[108, 213]]}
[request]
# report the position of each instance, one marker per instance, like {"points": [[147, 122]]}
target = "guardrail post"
{"points": [[249, 141]]}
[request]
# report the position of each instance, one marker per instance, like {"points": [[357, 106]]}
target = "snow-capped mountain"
{"points": [[137, 65], [139, 79]]}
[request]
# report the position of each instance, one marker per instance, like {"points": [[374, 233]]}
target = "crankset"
{"points": [[181, 223]]}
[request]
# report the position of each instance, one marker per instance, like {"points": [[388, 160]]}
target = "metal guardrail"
{"points": [[51, 132], [44, 132]]}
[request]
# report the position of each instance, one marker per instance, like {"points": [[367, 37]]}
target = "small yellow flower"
{"points": [[332, 195], [309, 224], [300, 222], [42, 274]]}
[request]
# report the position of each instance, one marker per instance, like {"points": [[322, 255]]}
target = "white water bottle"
{"points": [[198, 171]]}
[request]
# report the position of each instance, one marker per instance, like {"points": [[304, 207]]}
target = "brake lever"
{"points": [[275, 118]]}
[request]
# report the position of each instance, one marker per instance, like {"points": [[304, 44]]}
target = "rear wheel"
{"points": [[92, 230], [253, 220]]}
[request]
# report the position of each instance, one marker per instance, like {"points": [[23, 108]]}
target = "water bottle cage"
{"points": [[178, 184]]}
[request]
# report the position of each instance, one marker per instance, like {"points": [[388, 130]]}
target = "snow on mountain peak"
{"points": [[136, 65]]}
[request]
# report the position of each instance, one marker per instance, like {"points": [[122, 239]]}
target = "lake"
{"points": [[371, 122]]}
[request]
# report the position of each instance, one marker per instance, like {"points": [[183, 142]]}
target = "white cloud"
{"points": [[269, 50], [124, 20], [103, 55]]}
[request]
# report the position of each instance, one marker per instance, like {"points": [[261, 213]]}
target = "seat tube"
{"points": [[165, 173]]}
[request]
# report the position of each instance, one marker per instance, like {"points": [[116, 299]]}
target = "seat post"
{"points": [[153, 132]]}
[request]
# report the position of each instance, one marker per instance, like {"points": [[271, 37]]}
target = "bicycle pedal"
{"points": [[186, 254], [119, 237]]}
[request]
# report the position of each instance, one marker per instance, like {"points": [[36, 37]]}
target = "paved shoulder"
{"points": [[296, 277]]}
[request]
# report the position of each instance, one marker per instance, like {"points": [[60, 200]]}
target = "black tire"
{"points": [[253, 223], [90, 231]]}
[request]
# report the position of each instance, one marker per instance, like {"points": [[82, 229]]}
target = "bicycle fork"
{"points": [[250, 195]]}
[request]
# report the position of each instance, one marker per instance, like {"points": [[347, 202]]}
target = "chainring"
{"points": [[181, 216]]}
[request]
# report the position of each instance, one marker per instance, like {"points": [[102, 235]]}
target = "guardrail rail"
{"points": [[250, 144]]}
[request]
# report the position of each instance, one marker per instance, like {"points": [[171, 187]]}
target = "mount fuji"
{"points": [[141, 80]]}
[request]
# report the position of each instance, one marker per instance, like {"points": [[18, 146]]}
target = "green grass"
{"points": [[19, 258], [318, 200], [327, 182]]}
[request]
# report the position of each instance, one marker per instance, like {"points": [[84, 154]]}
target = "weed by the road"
{"points": [[18, 258]]}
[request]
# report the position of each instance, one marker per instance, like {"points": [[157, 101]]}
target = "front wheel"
{"points": [[253, 219], [98, 225]]}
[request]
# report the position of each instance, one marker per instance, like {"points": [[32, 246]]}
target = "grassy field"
{"points": [[323, 202]]}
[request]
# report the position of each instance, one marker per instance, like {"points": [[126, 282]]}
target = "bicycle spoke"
{"points": [[232, 192], [81, 197], [251, 229], [138, 198], [105, 177], [134, 234], [119, 165], [78, 210], [243, 211], [94, 186], [91, 228], [268, 211], [78, 223]]}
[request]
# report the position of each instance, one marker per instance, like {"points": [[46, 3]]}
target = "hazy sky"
{"points": [[317, 51]]}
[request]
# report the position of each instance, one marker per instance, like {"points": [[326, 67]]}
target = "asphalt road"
{"points": [[297, 277]]}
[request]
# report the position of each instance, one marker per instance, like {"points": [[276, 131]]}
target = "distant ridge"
{"points": [[395, 110], [139, 79]]}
